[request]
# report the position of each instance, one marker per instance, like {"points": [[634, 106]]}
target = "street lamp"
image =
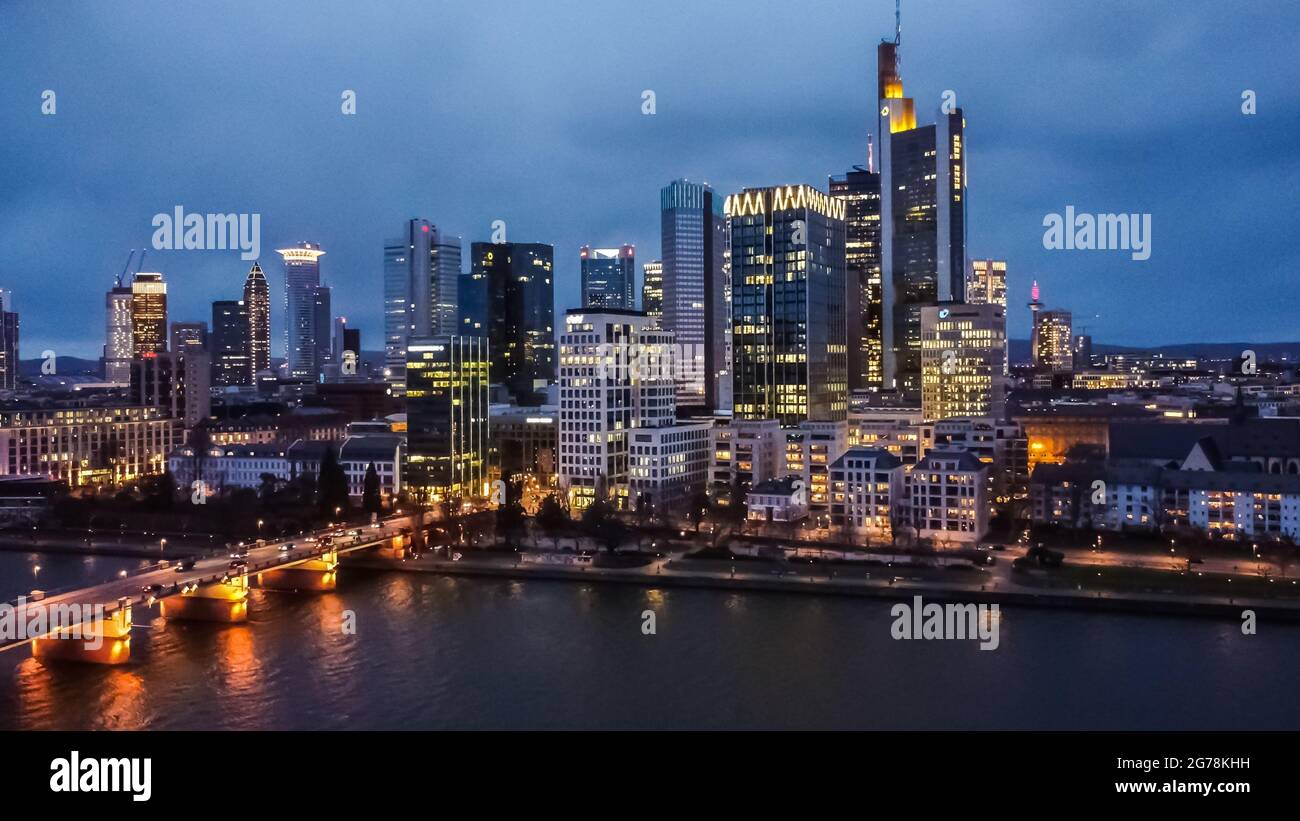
{"points": [[36, 572]]}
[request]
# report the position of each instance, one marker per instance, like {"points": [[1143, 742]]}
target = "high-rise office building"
{"points": [[923, 219], [188, 336], [963, 361], [322, 325], [119, 344], [8, 342], [257, 301], [1082, 352], [693, 242], [652, 289], [448, 450], [986, 284], [421, 280], [177, 383], [860, 190], [608, 277], [229, 345], [148, 314], [1054, 342], [620, 440], [787, 305], [301, 280], [518, 314]]}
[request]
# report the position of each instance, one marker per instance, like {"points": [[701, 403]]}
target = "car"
{"points": [[184, 565], [286, 547], [238, 566], [151, 589], [239, 553], [999, 547], [310, 539]]}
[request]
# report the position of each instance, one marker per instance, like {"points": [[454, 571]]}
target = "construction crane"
{"points": [[125, 267]]}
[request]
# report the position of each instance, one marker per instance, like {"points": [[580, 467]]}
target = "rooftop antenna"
{"points": [[125, 267], [871, 155], [898, 22]]}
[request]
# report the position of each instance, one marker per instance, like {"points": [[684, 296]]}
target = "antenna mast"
{"points": [[898, 22]]}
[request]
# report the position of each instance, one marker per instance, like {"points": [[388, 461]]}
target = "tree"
{"points": [[510, 521], [331, 484], [552, 517], [266, 491], [600, 524], [699, 508], [371, 499]]}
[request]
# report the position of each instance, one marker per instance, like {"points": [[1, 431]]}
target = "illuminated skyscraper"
{"points": [[301, 279], [652, 289], [986, 284], [448, 450], [148, 314], [230, 343], [608, 277], [119, 344], [860, 190], [518, 314], [923, 219], [963, 361], [257, 301], [693, 242], [1054, 342], [787, 305], [421, 283]]}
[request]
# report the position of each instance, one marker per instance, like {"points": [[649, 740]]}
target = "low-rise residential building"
{"points": [[950, 497], [226, 467], [744, 451], [777, 500], [867, 492]]}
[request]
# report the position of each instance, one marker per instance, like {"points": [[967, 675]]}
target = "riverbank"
{"points": [[670, 573]]}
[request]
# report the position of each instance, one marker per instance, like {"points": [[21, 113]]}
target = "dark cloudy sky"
{"points": [[530, 112]]}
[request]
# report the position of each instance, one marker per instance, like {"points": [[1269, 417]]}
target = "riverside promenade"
{"points": [[999, 585]]}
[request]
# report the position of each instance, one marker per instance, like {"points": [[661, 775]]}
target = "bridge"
{"points": [[212, 589]]}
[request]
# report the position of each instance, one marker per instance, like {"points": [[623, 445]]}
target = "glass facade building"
{"points": [[231, 363], [421, 284], [608, 277], [789, 351], [301, 279], [860, 190], [693, 241], [448, 451], [513, 305]]}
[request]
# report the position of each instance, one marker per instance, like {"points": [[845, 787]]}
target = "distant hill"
{"points": [[64, 365], [1264, 351]]}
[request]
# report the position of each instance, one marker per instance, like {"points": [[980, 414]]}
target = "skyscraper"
{"points": [[860, 190], [188, 336], [923, 219], [322, 326], [1054, 342], [257, 301], [148, 314], [518, 314], [787, 305], [421, 279], [119, 345], [608, 277], [652, 289], [986, 284], [693, 241], [448, 451], [963, 361], [8, 342], [301, 279], [230, 343]]}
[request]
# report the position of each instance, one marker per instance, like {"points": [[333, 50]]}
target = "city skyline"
{"points": [[1099, 143]]}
